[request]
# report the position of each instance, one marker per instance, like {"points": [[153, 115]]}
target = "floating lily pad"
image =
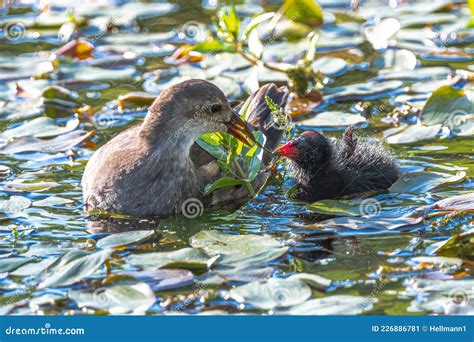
{"points": [[73, 267], [380, 34], [442, 296], [313, 280], [332, 119], [330, 66], [420, 74], [187, 258], [63, 142], [10, 264], [448, 106], [245, 274], [460, 245], [363, 91], [239, 249], [14, 204], [119, 240], [162, 280], [458, 203], [371, 223], [52, 201], [33, 269], [414, 133], [424, 181], [41, 127], [439, 261], [274, 293], [332, 305], [341, 207], [118, 299]]}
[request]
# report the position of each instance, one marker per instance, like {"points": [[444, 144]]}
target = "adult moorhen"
{"points": [[151, 169], [330, 168]]}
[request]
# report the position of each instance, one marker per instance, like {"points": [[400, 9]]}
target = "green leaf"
{"points": [[212, 46], [210, 145], [224, 182], [229, 24], [256, 154], [448, 106], [303, 11], [253, 24]]}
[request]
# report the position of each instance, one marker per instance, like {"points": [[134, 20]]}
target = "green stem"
{"points": [[241, 173]]}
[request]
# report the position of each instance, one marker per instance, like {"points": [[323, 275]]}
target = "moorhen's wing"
{"points": [[259, 117]]}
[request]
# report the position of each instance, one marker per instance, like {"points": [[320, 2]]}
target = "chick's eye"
{"points": [[215, 108]]}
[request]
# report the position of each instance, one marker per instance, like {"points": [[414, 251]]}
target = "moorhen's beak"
{"points": [[287, 151], [239, 129]]}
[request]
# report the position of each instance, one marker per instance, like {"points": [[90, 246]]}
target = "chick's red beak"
{"points": [[239, 129], [288, 151]]}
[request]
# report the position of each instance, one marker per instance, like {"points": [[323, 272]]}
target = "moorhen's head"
{"points": [[190, 109], [309, 152]]}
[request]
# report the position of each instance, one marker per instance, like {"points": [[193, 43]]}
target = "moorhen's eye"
{"points": [[215, 108]]}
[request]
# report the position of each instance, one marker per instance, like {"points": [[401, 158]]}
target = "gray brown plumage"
{"points": [[153, 168]]}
